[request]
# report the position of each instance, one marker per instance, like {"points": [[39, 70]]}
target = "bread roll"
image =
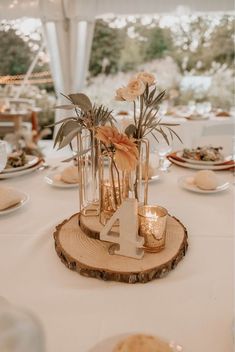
{"points": [[142, 343], [206, 179], [9, 197], [70, 175]]}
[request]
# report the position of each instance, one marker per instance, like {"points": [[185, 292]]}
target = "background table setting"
{"points": [[191, 308]]}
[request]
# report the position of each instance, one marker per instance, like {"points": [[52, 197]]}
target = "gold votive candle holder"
{"points": [[152, 226], [111, 197]]}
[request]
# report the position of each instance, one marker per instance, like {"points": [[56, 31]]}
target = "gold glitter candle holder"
{"points": [[152, 226], [114, 188]]}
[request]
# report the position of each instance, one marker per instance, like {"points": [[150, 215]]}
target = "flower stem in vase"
{"points": [[113, 185], [80, 175], [94, 166]]}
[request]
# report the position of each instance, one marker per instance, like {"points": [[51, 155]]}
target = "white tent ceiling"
{"points": [[86, 9], [68, 26]]}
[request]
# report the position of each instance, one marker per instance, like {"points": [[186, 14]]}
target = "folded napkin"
{"points": [[9, 197], [70, 175]]}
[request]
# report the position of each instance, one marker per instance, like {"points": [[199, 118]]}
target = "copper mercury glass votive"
{"points": [[152, 226]]}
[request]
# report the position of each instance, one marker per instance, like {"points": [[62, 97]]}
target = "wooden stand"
{"points": [[90, 257]]}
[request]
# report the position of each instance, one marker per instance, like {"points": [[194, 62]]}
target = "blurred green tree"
{"points": [[131, 55], [106, 48], [15, 53], [221, 47], [158, 42]]}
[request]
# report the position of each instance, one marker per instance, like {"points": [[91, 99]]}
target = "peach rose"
{"points": [[133, 90], [146, 78], [119, 94], [136, 87], [124, 94]]}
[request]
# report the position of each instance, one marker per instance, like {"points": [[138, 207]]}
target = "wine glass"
{"points": [[163, 149], [3, 155], [191, 107], [163, 108]]}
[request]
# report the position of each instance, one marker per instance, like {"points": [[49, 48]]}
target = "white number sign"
{"points": [[128, 241]]}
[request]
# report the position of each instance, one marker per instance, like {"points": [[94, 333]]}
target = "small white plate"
{"points": [[54, 179], [203, 162], [187, 182], [31, 160], [24, 200]]}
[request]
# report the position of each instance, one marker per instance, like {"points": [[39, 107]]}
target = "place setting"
{"points": [[10, 199], [17, 162], [206, 157], [204, 182]]}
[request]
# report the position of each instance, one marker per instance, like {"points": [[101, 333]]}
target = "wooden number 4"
{"points": [[129, 243]]}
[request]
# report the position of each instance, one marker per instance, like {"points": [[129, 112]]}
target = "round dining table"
{"points": [[193, 305]]}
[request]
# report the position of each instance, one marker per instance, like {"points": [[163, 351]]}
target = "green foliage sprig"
{"points": [[88, 116]]}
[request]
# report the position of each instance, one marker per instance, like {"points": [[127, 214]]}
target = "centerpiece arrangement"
{"points": [[117, 234]]}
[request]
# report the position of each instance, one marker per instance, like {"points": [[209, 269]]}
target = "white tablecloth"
{"points": [[192, 305]]}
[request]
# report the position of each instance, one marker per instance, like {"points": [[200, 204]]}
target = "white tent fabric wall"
{"points": [[69, 43]]}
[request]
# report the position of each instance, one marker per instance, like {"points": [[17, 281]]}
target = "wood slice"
{"points": [[90, 257]]}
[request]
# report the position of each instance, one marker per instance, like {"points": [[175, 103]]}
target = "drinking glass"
{"points": [[3, 155], [20, 331], [191, 107], [163, 108], [207, 107], [163, 149]]}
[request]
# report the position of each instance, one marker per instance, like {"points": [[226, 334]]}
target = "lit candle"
{"points": [[152, 226]]}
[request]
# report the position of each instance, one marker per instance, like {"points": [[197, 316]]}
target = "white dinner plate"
{"points": [[186, 182], [203, 162], [200, 166], [109, 344], [21, 172], [54, 179], [24, 200], [31, 160]]}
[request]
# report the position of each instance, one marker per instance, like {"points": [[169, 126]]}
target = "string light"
{"points": [[18, 79]]}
